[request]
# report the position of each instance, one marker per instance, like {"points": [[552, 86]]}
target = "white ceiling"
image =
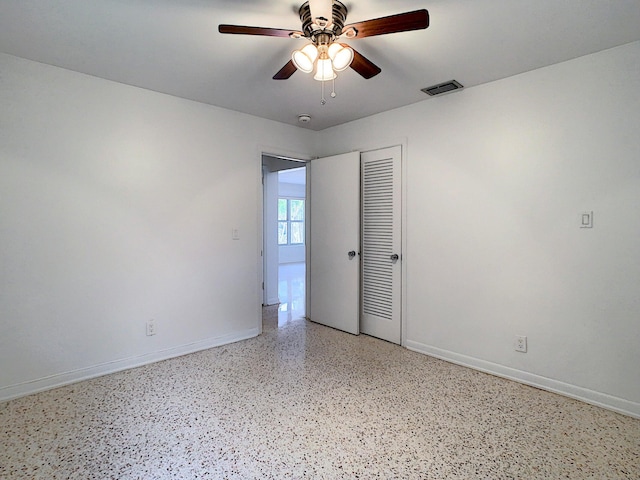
{"points": [[173, 46], [297, 176]]}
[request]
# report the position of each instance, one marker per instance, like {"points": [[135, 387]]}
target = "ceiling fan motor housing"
{"points": [[333, 28]]}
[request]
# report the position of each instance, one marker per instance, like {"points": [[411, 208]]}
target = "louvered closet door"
{"points": [[381, 243]]}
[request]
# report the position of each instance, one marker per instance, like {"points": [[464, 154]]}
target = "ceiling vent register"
{"points": [[441, 88]]}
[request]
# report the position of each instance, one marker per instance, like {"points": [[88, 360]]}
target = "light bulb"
{"points": [[324, 70], [303, 59], [342, 56]]}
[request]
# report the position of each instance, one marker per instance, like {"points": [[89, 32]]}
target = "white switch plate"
{"points": [[586, 220], [235, 234]]}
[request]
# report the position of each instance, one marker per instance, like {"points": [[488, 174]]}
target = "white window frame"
{"points": [[289, 221]]}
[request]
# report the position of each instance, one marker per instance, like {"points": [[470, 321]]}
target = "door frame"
{"points": [[260, 259], [305, 157], [269, 251]]}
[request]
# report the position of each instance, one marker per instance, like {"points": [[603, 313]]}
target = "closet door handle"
{"points": [[351, 254], [395, 257]]}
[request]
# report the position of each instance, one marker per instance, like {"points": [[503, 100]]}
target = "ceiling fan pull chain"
{"points": [[333, 91], [322, 100]]}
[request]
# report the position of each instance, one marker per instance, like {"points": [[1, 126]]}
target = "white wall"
{"points": [[292, 254], [271, 248], [497, 177], [117, 206], [114, 208]]}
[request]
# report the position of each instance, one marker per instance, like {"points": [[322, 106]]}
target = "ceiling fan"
{"points": [[323, 24]]}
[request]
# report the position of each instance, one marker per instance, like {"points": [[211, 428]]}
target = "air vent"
{"points": [[442, 88]]}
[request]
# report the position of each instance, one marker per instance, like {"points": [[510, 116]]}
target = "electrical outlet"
{"points": [[521, 344], [151, 327]]}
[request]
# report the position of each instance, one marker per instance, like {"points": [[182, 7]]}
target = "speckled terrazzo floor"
{"points": [[306, 401]]}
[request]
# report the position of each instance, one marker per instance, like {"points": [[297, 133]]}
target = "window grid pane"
{"points": [[291, 213], [297, 210], [283, 209], [297, 233], [282, 233]]}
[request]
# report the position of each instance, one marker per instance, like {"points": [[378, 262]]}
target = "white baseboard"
{"points": [[592, 397], [272, 301], [60, 379]]}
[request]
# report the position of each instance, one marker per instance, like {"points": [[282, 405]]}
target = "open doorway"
{"points": [[284, 228]]}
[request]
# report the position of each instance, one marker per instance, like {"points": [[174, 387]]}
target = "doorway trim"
{"points": [[270, 151]]}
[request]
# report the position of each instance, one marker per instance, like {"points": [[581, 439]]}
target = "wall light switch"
{"points": [[587, 220], [235, 234]]}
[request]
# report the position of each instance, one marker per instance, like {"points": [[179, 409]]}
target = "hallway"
{"points": [[291, 292]]}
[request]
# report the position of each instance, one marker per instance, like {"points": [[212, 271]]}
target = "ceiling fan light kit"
{"points": [[336, 58], [323, 23]]}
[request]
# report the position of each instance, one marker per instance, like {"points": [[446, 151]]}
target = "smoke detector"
{"points": [[304, 118]]}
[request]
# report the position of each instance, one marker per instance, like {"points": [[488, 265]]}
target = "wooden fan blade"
{"points": [[364, 66], [264, 31], [286, 71], [402, 22]]}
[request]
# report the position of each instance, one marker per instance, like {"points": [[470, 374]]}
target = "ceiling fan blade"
{"points": [[264, 31], [402, 22], [286, 71], [364, 66]]}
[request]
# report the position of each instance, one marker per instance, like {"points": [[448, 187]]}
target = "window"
{"points": [[290, 221]]}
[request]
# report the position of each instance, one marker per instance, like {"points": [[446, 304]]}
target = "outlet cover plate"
{"points": [[521, 344], [151, 328]]}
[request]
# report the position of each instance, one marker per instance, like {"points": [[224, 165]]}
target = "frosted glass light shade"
{"points": [[324, 70], [303, 59], [341, 55]]}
